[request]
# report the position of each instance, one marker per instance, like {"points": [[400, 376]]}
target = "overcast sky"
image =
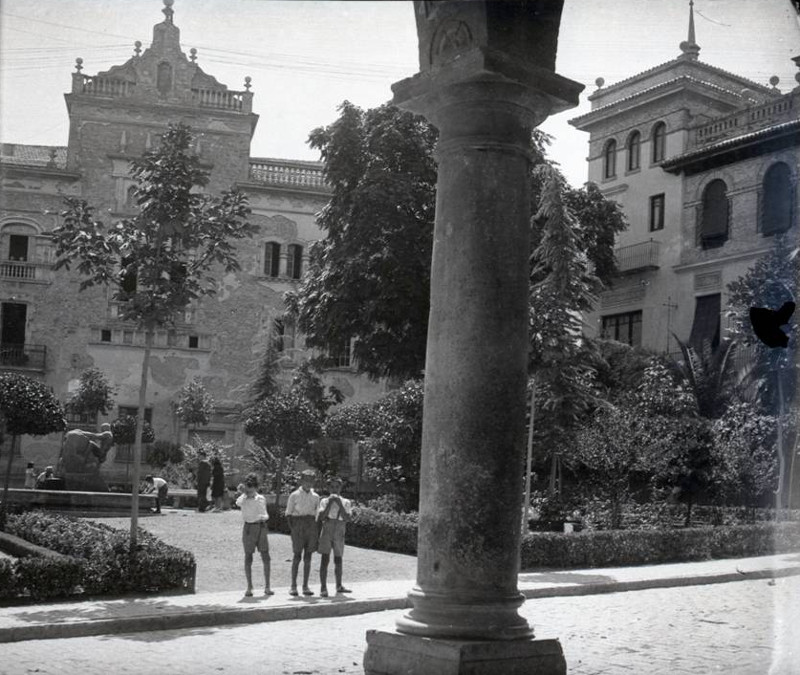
{"points": [[305, 58]]}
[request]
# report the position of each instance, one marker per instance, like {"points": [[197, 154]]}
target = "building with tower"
{"points": [[704, 163], [52, 332]]}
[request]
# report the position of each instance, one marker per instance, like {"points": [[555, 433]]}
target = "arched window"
{"points": [[272, 259], [777, 200], [610, 159], [164, 78], [659, 142], [294, 261], [634, 150], [715, 215]]}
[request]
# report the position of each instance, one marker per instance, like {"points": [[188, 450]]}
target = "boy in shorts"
{"points": [[254, 531], [334, 512], [301, 512]]}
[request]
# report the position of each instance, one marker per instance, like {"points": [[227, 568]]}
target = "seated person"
{"points": [[45, 475]]}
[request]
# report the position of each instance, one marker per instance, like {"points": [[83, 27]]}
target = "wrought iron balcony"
{"points": [[25, 356], [637, 257]]}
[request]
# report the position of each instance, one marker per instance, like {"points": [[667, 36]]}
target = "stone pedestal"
{"points": [[393, 653], [487, 79]]}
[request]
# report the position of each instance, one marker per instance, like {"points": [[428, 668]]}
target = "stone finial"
{"points": [[168, 11], [52, 162], [193, 55], [689, 47], [137, 48], [79, 64], [247, 81], [599, 82]]}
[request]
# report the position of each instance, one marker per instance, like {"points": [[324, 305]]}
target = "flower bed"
{"points": [[95, 560]]}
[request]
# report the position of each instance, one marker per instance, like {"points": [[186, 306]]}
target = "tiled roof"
{"points": [[32, 155], [728, 142], [660, 85]]}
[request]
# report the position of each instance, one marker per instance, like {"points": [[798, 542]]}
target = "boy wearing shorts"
{"points": [[254, 531], [301, 512], [334, 512]]}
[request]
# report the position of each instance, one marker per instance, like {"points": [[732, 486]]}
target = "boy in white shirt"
{"points": [[334, 512], [159, 486], [301, 512], [254, 531]]}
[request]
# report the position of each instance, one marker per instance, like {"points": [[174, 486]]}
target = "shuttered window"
{"points": [[777, 200], [706, 324], [272, 259], [714, 215]]}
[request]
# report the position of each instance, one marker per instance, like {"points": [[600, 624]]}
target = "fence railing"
{"points": [[33, 357], [275, 173]]}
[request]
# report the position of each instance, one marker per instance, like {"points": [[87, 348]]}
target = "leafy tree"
{"points": [[167, 256], [193, 404], [307, 382], [711, 375], [95, 394], [266, 383], [124, 430], [369, 279], [163, 453], [27, 407], [355, 421]]}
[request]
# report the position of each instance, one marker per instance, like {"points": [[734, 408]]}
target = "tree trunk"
{"points": [[688, 521], [529, 459], [781, 458], [554, 486], [137, 448], [4, 503]]}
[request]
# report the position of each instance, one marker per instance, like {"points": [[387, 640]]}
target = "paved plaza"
{"points": [[744, 628]]}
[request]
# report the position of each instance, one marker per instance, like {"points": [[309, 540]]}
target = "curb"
{"points": [[343, 607]]}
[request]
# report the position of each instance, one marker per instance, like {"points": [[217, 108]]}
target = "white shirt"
{"points": [[333, 514], [254, 509], [302, 503], [158, 483]]}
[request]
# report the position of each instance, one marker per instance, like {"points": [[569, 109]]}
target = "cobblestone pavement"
{"points": [[743, 628]]}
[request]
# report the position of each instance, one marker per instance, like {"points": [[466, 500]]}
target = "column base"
{"points": [[392, 653]]}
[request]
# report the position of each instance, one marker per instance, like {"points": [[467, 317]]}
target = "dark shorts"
{"points": [[254, 536], [332, 537], [162, 492], [304, 534]]}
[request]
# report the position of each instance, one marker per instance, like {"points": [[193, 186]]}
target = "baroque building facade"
{"points": [[51, 331], [705, 164]]}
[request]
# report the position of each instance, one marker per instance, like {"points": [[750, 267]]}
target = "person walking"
{"points": [[159, 486], [203, 479], [301, 514], [30, 477], [217, 483], [334, 512], [254, 531]]}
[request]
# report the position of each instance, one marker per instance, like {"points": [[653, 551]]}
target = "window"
{"points": [[294, 262], [18, 247], [194, 342], [610, 159], [272, 259], [625, 328], [172, 338], [164, 78], [659, 142], [340, 355], [130, 411], [128, 275], [777, 200], [105, 335], [656, 212], [634, 150], [284, 334], [715, 215], [706, 324], [127, 337]]}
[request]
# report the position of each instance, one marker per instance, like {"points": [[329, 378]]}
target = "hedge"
{"points": [[99, 559], [611, 548]]}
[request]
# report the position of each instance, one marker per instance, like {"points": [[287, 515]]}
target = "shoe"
{"points": [[293, 591], [308, 591], [248, 594], [323, 593], [268, 591], [342, 589]]}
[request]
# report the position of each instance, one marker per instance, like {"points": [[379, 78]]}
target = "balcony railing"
{"points": [[18, 270], [32, 357], [286, 174], [745, 120], [637, 257], [223, 99], [107, 87]]}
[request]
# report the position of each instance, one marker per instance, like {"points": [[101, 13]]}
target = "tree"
{"points": [[27, 407], [162, 259], [95, 394], [193, 404], [711, 376], [266, 382], [369, 279]]}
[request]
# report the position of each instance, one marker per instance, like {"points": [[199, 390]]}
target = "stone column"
{"points": [[487, 79]]}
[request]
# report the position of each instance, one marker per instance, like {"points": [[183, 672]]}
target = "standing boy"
{"points": [[254, 531], [159, 486], [301, 513], [203, 479], [30, 477], [334, 512]]}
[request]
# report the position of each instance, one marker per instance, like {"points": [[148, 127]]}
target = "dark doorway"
{"points": [[13, 318]]}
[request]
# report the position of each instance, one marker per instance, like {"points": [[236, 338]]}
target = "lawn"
{"points": [[215, 540]]}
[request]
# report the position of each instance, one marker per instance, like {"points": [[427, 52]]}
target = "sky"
{"points": [[306, 57]]}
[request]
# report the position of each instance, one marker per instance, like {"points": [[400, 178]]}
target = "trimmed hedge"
{"points": [[613, 548], [395, 532], [99, 559]]}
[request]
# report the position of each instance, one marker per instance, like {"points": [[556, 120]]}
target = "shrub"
{"points": [[164, 452], [383, 531], [8, 580], [104, 553], [647, 547], [48, 577], [388, 503]]}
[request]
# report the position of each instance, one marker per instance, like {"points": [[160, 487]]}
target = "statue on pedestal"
{"points": [[81, 456]]}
